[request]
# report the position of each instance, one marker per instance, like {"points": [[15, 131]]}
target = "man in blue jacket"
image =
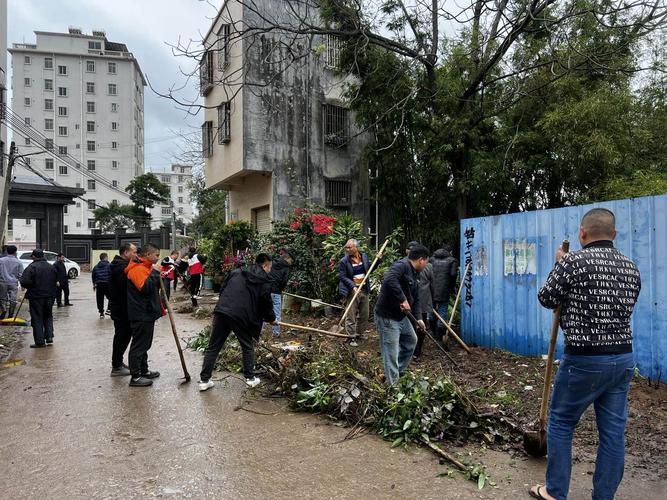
{"points": [[101, 276], [399, 295]]}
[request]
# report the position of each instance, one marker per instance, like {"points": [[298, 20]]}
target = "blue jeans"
{"points": [[603, 381], [277, 299], [397, 343], [443, 311]]}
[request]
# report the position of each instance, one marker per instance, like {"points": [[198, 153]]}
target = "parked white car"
{"points": [[73, 269]]}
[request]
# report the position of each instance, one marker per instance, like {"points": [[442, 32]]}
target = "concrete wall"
{"points": [[252, 191]]}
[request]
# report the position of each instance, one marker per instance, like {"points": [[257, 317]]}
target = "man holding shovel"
{"points": [[596, 289], [399, 295]]}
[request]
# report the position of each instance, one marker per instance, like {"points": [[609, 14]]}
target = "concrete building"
{"points": [[81, 100], [178, 179], [277, 134]]}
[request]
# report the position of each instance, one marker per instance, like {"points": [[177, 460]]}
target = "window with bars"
{"points": [[91, 224], [48, 164], [224, 123], [91, 205], [91, 184], [62, 91], [62, 150], [90, 87], [48, 123], [114, 184], [336, 125], [27, 101], [62, 131], [206, 73], [62, 110], [27, 82], [223, 46], [113, 89], [48, 104], [337, 192], [112, 68], [166, 211], [62, 169], [48, 63], [114, 164], [48, 84], [332, 46], [91, 164], [62, 70], [90, 107], [207, 139], [90, 66], [90, 126], [48, 144], [90, 146]]}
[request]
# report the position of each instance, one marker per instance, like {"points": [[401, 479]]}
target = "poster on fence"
{"points": [[519, 257]]}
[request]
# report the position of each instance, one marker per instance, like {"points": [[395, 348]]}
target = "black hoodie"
{"points": [[245, 298], [445, 270], [118, 289], [279, 275]]}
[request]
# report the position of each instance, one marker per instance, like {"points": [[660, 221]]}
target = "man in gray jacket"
{"points": [[11, 270]]}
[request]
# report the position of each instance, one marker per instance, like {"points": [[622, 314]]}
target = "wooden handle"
{"points": [[363, 282], [452, 332], [173, 330], [311, 329], [312, 300]]}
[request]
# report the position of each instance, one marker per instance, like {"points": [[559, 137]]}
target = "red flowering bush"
{"points": [[305, 220]]}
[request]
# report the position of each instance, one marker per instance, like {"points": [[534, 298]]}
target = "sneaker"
{"points": [[122, 371], [252, 382], [150, 374], [140, 382], [49, 341], [353, 343], [205, 386], [101, 315]]}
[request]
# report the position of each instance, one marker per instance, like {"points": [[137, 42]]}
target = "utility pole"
{"points": [[173, 227], [11, 159]]}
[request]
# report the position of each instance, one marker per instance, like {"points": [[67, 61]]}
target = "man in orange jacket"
{"points": [[143, 309]]}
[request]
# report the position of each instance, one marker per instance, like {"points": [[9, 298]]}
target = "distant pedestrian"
{"points": [[399, 294], [11, 270], [596, 288], [63, 281], [279, 278], [245, 301], [445, 271], [101, 275], [168, 271], [196, 265], [118, 306], [144, 308], [40, 279]]}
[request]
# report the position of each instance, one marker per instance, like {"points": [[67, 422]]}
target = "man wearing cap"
{"points": [[40, 279]]}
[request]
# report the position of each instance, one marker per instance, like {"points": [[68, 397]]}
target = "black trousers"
{"points": [[41, 319], [195, 284], [220, 330], [167, 286], [101, 291], [63, 289], [142, 339], [121, 339]]}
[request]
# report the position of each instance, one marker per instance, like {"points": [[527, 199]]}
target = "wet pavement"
{"points": [[68, 430]]}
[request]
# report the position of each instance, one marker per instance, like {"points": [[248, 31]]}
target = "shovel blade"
{"points": [[535, 443]]}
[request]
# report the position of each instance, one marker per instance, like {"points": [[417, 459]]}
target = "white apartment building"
{"points": [[178, 180], [81, 100]]}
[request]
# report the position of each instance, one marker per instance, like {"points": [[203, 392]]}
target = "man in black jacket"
{"points": [[245, 300], [40, 279], [63, 280], [596, 288], [118, 307], [445, 270], [279, 278], [399, 294]]}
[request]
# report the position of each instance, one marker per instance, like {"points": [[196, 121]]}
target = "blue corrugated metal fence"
{"points": [[511, 256]]}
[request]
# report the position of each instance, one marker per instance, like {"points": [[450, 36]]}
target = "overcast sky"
{"points": [[145, 26]]}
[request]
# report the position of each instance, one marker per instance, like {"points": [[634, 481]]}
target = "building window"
{"points": [[91, 223], [48, 144], [78, 223], [91, 185], [90, 66], [90, 87], [62, 150], [114, 164], [27, 60], [94, 45], [332, 51], [166, 179], [90, 146], [65, 209], [207, 139], [113, 90], [27, 143], [62, 110], [206, 73], [337, 193], [28, 222], [224, 123], [114, 184], [223, 46], [48, 123], [62, 91], [27, 102], [114, 126], [62, 131], [48, 63], [48, 164], [114, 145], [180, 178], [91, 164], [65, 228], [26, 120], [180, 189], [180, 210], [90, 127], [62, 169], [336, 127], [112, 68], [91, 205], [48, 104], [114, 107], [166, 211], [27, 82], [90, 107], [62, 70], [27, 161], [48, 84], [180, 199]]}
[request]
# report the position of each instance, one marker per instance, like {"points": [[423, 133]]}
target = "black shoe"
{"points": [[101, 315], [49, 342], [149, 374], [59, 305], [140, 382], [69, 304], [35, 346], [121, 371]]}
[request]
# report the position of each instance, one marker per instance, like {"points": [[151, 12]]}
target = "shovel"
{"points": [[339, 327], [535, 443], [15, 321], [186, 375]]}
